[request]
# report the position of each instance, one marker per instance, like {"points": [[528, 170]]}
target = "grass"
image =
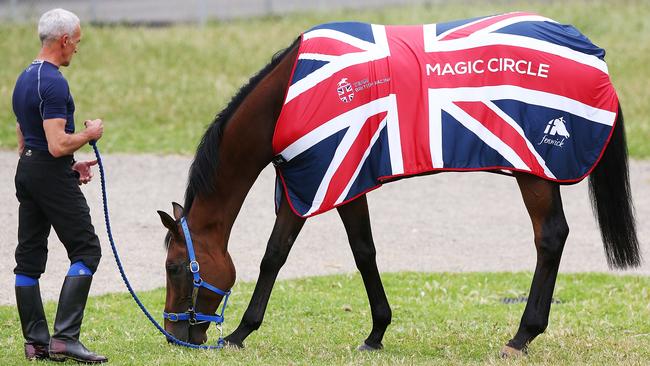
{"points": [[442, 318], [157, 88]]}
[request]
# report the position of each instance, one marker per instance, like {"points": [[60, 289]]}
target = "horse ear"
{"points": [[168, 222], [178, 210]]}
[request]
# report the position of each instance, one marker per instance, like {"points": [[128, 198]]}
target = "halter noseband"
{"points": [[190, 315]]}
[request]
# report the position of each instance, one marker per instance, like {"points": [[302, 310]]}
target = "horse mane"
{"points": [[206, 160]]}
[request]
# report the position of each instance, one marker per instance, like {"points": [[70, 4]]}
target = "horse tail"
{"points": [[611, 201]]}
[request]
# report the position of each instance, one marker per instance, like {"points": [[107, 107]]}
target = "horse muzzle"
{"points": [[186, 332]]}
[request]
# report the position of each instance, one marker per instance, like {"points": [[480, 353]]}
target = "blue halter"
{"points": [[190, 315]]}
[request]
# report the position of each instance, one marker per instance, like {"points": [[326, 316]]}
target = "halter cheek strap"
{"points": [[190, 315]]}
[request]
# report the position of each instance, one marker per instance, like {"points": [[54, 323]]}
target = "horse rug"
{"points": [[369, 103]]}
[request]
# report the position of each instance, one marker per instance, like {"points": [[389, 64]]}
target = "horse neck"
{"points": [[245, 149]]}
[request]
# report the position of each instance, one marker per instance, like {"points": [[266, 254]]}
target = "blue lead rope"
{"points": [[220, 342]]}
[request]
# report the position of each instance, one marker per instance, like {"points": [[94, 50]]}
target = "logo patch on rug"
{"points": [[555, 133], [344, 89]]}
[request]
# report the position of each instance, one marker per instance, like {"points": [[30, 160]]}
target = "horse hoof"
{"points": [[365, 347], [233, 344], [509, 352]]}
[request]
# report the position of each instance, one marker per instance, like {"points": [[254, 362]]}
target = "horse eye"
{"points": [[173, 269]]}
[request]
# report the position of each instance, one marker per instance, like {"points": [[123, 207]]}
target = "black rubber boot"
{"points": [[65, 343], [33, 322]]}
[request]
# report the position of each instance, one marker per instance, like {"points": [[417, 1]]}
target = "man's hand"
{"points": [[83, 168], [94, 129]]}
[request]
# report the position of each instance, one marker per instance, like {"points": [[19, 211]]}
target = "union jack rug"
{"points": [[369, 103]]}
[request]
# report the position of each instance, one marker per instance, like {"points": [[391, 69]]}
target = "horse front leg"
{"points": [[285, 230], [544, 205], [356, 220]]}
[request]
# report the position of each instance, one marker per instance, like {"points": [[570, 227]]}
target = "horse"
{"points": [[238, 144]]}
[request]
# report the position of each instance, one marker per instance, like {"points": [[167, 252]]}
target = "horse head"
{"points": [[184, 298]]}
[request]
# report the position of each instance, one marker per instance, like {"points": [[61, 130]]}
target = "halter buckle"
{"points": [[191, 316], [172, 317], [194, 267]]}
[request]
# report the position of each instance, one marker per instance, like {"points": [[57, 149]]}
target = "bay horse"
{"points": [[238, 145]]}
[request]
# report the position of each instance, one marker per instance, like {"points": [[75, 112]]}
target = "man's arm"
{"points": [[21, 139], [60, 143]]}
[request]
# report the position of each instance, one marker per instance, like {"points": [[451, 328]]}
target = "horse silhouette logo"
{"points": [[344, 89], [556, 127]]}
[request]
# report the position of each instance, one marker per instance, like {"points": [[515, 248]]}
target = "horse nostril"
{"points": [[198, 336]]}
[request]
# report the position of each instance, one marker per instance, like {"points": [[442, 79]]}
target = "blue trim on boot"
{"points": [[79, 269], [25, 281]]}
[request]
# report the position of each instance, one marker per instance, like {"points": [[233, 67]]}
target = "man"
{"points": [[47, 187]]}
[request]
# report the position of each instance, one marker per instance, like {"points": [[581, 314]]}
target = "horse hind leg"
{"points": [[356, 220], [544, 204]]}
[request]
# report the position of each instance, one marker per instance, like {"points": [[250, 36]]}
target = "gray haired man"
{"points": [[47, 187]]}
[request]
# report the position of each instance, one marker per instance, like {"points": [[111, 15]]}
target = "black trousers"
{"points": [[49, 195]]}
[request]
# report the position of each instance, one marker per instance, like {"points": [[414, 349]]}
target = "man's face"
{"points": [[70, 45]]}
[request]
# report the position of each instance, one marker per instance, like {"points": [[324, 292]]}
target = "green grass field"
{"points": [[157, 88], [455, 319]]}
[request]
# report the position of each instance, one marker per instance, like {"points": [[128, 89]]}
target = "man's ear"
{"points": [[178, 210], [168, 222]]}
